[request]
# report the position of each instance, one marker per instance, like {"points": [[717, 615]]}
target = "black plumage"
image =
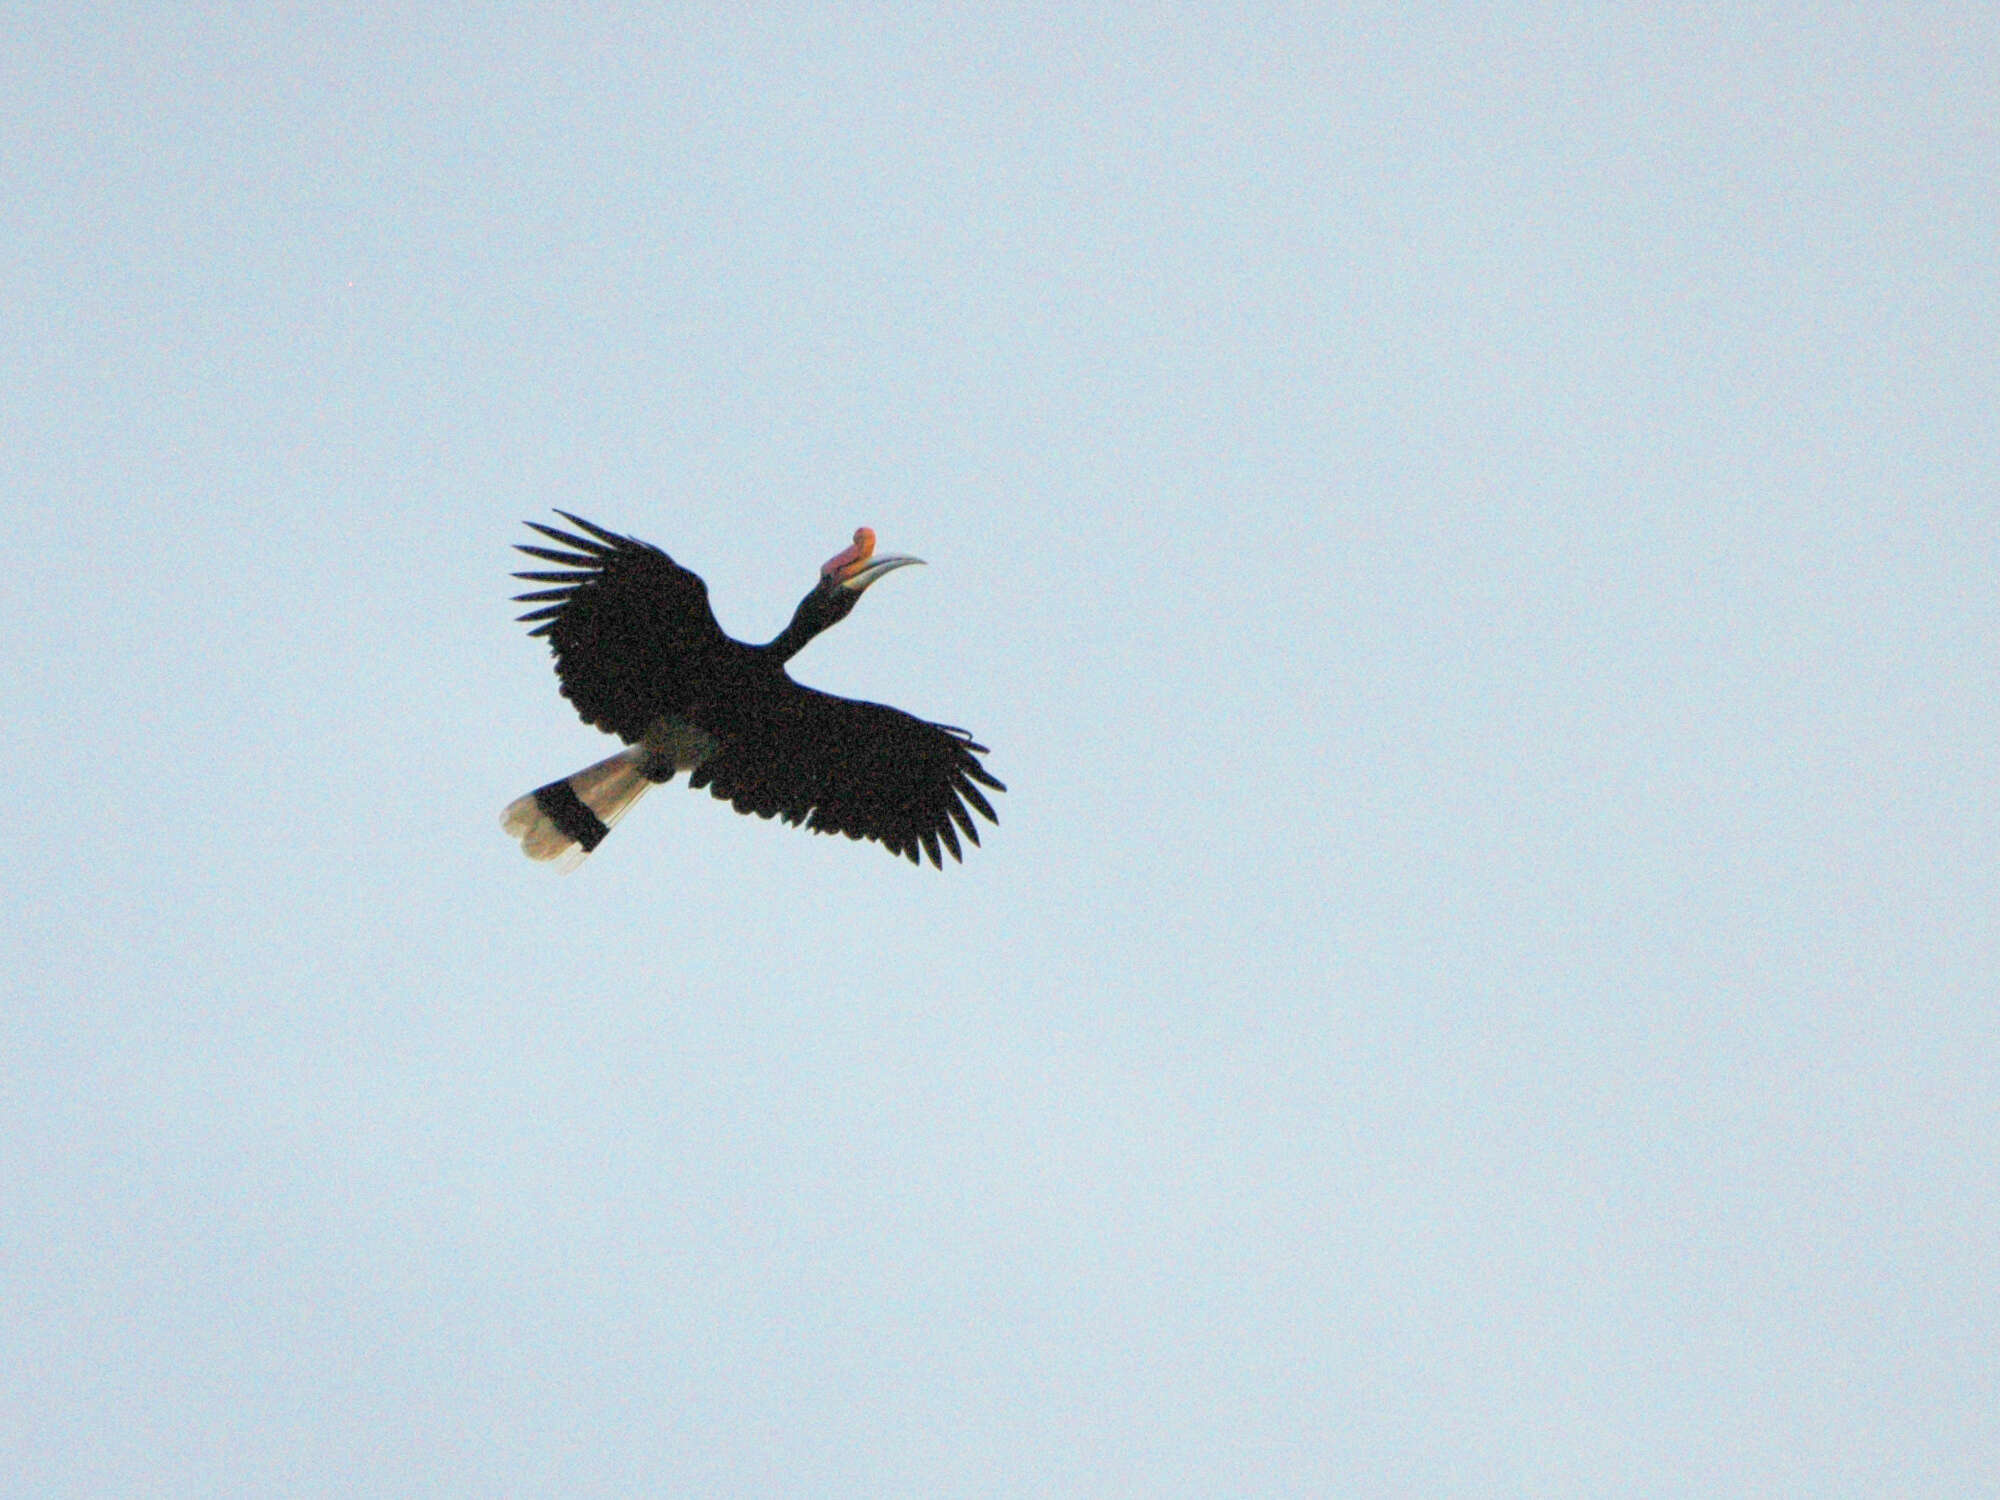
{"points": [[639, 653]]}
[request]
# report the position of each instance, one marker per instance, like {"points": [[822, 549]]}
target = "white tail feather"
{"points": [[608, 789]]}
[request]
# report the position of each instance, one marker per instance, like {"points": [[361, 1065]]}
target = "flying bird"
{"points": [[639, 653]]}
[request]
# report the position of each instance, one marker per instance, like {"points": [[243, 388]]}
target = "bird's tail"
{"points": [[567, 819]]}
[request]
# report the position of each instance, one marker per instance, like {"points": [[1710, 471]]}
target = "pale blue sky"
{"points": [[1473, 540]]}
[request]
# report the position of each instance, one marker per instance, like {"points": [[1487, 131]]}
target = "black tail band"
{"points": [[567, 811]]}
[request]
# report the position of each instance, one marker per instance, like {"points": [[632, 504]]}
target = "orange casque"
{"points": [[842, 564]]}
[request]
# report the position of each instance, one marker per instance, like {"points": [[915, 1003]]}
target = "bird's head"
{"points": [[848, 573], [855, 568], [842, 580]]}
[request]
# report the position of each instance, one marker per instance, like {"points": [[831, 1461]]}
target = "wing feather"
{"points": [[839, 765], [633, 635]]}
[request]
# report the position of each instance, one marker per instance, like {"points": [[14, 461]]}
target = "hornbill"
{"points": [[638, 651]]}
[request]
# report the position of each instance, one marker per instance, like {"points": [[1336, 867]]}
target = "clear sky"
{"points": [[1473, 540]]}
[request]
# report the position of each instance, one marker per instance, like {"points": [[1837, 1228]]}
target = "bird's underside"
{"points": [[640, 655]]}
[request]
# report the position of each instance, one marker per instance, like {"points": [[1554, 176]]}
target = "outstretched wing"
{"points": [[631, 628], [862, 769]]}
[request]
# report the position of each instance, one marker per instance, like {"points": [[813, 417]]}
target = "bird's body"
{"points": [[640, 655]]}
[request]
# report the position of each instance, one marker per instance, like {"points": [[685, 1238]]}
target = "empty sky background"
{"points": [[1472, 538]]}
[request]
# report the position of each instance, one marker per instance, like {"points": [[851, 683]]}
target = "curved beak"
{"points": [[868, 572]]}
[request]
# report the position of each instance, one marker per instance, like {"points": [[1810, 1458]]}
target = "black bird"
{"points": [[639, 653]]}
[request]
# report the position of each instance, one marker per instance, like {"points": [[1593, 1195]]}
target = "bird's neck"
{"points": [[806, 623]]}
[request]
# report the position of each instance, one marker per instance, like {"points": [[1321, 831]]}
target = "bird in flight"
{"points": [[640, 655]]}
